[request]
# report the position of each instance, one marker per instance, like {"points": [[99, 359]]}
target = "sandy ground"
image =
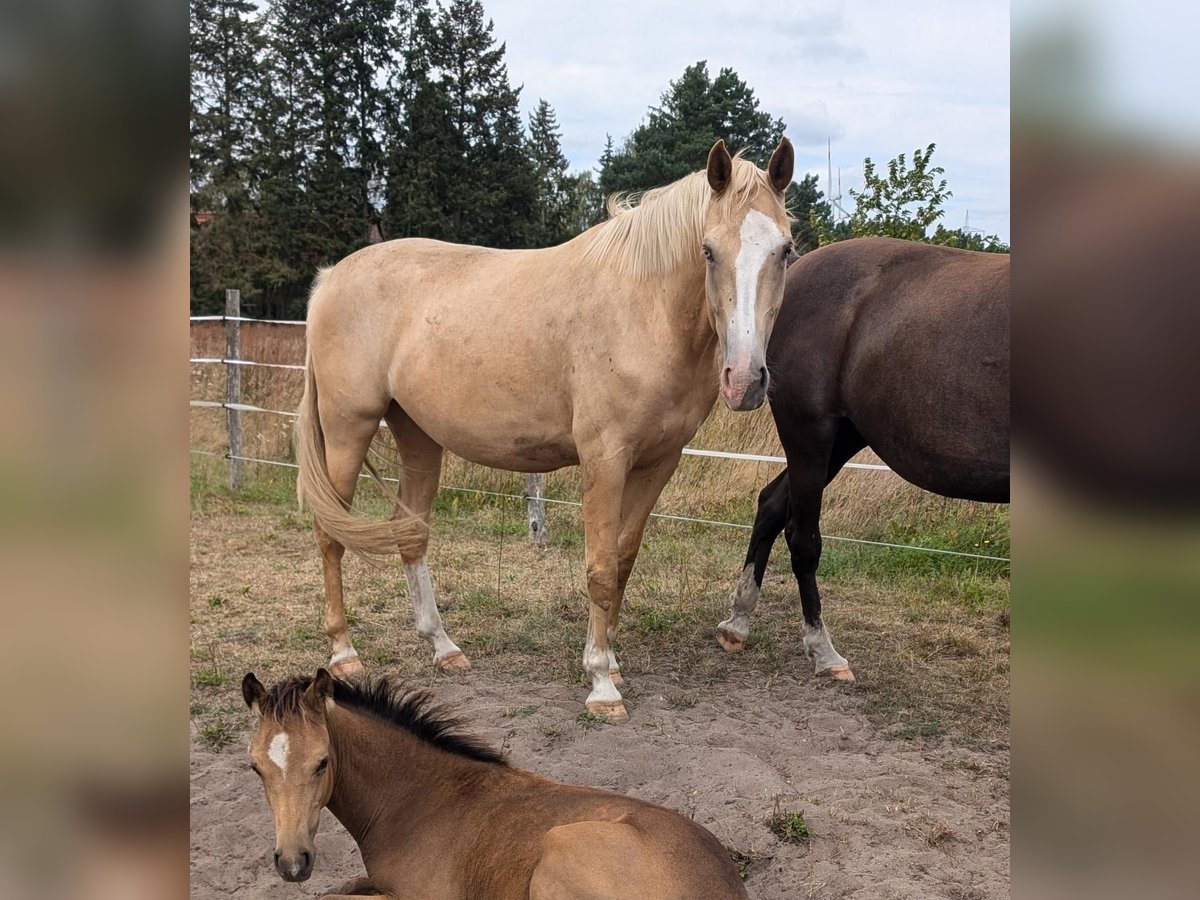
{"points": [[890, 819]]}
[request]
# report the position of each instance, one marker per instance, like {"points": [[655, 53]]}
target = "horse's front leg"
{"points": [[642, 489], [769, 520], [804, 541], [603, 486]]}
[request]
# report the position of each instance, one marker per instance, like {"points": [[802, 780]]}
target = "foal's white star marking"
{"points": [[278, 751]]}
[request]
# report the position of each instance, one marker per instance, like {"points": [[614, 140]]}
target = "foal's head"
{"points": [[747, 244], [290, 751]]}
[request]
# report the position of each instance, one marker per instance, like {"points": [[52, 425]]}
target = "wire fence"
{"points": [[234, 407]]}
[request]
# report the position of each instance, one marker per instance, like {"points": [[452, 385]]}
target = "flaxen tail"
{"points": [[368, 537]]}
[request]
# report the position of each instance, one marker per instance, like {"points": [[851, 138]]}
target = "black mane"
{"points": [[416, 711]]}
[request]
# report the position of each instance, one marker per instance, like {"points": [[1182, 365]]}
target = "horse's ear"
{"points": [[319, 691], [779, 169], [253, 692], [720, 167]]}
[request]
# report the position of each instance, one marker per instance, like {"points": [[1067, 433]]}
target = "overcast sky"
{"points": [[878, 78]]}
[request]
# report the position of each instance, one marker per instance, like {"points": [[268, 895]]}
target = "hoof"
{"points": [[730, 642], [837, 673], [346, 668], [615, 675], [454, 662], [613, 710]]}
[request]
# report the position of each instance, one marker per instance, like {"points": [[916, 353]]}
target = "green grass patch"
{"points": [[589, 720], [789, 827], [216, 734]]}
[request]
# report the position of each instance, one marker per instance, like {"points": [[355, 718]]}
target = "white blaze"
{"points": [[278, 751], [760, 239]]}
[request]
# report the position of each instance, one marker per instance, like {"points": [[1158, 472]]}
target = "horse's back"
{"points": [[910, 342], [634, 857]]}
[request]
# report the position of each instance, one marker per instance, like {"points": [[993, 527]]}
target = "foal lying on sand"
{"points": [[437, 814]]}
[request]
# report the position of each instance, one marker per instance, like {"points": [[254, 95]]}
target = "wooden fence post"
{"points": [[233, 385], [535, 510]]}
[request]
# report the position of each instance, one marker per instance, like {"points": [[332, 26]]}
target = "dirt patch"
{"points": [[895, 808]]}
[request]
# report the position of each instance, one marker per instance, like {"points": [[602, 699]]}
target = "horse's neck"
{"points": [[685, 305], [385, 777]]}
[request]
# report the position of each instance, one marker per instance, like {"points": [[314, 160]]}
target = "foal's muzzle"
{"points": [[746, 389], [294, 867]]}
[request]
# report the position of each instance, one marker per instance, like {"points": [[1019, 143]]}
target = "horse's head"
{"points": [[291, 753], [747, 247]]}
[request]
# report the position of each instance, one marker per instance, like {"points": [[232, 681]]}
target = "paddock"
{"points": [[900, 780]]}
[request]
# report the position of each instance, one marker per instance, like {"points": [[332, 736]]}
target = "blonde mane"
{"points": [[651, 233]]}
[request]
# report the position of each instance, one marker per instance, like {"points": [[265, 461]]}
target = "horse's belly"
{"points": [[519, 453]]}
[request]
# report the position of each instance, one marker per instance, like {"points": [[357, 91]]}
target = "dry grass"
{"points": [[927, 641]]}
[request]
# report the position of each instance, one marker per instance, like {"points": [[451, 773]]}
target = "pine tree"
{"points": [[676, 137], [586, 203], [494, 182], [225, 41], [425, 152], [286, 113], [555, 186]]}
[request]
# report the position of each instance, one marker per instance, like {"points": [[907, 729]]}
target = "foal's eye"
{"points": [[322, 766], [708, 253]]}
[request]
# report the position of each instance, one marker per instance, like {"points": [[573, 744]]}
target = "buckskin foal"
{"points": [[440, 816], [606, 352]]}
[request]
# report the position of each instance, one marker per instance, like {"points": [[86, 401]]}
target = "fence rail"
{"points": [[534, 495]]}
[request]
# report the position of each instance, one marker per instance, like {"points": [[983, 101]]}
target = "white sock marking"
{"points": [[425, 611], [820, 650]]}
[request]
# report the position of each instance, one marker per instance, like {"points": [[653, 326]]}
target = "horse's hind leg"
{"points": [[420, 471], [769, 521], [806, 485], [346, 447]]}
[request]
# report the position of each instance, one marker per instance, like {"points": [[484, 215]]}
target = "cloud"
{"points": [[877, 78]]}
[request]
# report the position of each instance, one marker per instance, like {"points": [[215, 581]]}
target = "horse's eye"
{"points": [[708, 253], [322, 765]]}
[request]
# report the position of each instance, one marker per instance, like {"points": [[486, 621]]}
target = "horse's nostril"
{"points": [[277, 859], [762, 375]]}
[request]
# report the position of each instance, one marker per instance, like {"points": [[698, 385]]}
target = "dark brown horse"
{"points": [[895, 345]]}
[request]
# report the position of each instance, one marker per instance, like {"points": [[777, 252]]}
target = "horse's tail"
{"points": [[369, 538]]}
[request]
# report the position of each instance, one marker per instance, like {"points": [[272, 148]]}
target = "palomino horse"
{"points": [[891, 344], [439, 815], [606, 352]]}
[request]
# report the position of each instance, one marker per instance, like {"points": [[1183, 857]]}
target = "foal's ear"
{"points": [[319, 691], [779, 169], [720, 167], [253, 692]]}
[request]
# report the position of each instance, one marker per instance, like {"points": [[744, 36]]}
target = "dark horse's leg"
{"points": [[769, 520], [774, 511], [806, 487]]}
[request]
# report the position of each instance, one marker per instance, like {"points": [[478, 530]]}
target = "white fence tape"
{"points": [[214, 361], [450, 487]]}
